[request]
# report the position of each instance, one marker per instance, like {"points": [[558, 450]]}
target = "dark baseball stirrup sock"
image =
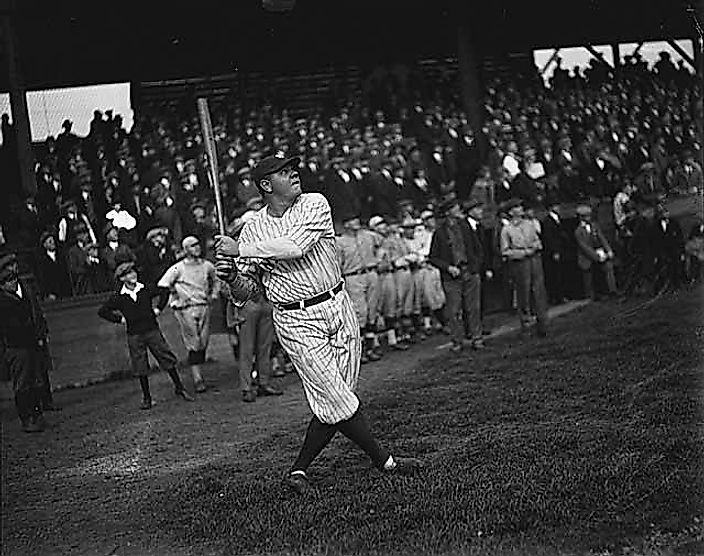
{"points": [[175, 379], [144, 384], [318, 436], [357, 430]]}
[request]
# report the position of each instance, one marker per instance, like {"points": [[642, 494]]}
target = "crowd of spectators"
{"points": [[118, 195]]}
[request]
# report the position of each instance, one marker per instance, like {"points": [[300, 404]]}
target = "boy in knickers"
{"points": [[132, 305]]}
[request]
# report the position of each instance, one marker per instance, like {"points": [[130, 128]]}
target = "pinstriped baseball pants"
{"points": [[324, 345]]}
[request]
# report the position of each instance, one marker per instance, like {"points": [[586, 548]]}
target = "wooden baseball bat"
{"points": [[212, 159]]}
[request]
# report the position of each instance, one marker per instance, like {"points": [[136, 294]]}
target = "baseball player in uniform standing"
{"points": [[356, 255], [193, 286], [429, 295], [405, 264], [288, 250], [388, 296]]}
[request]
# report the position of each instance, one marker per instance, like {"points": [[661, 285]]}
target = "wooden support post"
{"points": [[18, 103], [596, 54], [677, 48], [554, 56]]}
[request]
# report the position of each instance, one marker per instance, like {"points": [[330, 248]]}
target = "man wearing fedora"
{"points": [[52, 270], [72, 224], [24, 352], [593, 253], [115, 251], [521, 247], [556, 248], [132, 305]]}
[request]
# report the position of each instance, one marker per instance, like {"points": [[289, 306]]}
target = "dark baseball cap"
{"points": [[272, 164]]}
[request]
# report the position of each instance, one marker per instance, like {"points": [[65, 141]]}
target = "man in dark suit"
{"points": [[457, 252], [24, 352], [593, 253], [556, 242], [483, 245], [668, 245], [52, 270], [137, 204]]}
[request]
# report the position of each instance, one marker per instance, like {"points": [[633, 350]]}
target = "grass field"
{"points": [[588, 442]]}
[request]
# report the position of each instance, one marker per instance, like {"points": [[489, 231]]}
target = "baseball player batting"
{"points": [[288, 251]]}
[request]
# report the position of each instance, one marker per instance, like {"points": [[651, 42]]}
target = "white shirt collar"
{"points": [[132, 293], [473, 223], [19, 290], [554, 216]]}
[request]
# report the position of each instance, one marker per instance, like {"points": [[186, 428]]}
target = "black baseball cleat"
{"points": [[147, 403], [405, 466], [298, 482], [184, 395], [268, 391]]}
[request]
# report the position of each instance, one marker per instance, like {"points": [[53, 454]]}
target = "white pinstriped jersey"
{"points": [[308, 223], [322, 340]]}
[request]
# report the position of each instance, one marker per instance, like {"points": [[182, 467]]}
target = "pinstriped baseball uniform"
{"points": [[293, 258]]}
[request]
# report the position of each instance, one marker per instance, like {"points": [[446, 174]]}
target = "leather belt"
{"points": [[311, 300], [356, 273]]}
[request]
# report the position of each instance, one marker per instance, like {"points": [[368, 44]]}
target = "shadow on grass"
{"points": [[587, 441]]}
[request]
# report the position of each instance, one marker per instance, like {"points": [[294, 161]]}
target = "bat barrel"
{"points": [[212, 159]]}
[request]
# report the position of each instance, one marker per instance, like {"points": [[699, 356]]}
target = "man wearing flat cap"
{"points": [[457, 252], [594, 254], [521, 247], [482, 239], [194, 287], [24, 351], [201, 227], [156, 256]]}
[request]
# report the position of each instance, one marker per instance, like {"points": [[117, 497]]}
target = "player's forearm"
{"points": [[240, 288], [276, 248]]}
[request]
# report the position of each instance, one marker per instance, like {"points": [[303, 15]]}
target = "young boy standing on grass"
{"points": [[133, 305]]}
